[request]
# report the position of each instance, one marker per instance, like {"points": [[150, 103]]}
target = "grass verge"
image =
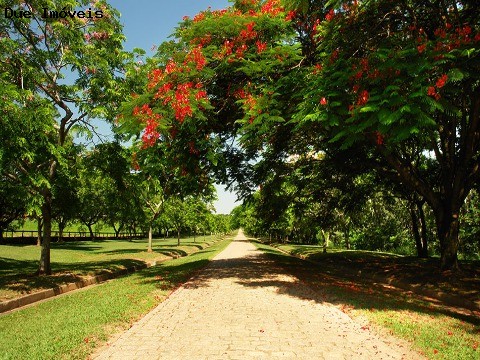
{"points": [[435, 331], [70, 326], [424, 274], [73, 260]]}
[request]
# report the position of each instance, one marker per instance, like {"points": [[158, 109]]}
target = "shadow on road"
{"points": [[293, 277]]}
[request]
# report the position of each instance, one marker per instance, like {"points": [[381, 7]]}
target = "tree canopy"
{"points": [[394, 84]]}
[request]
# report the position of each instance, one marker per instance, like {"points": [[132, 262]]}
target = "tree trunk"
{"points": [[90, 229], [415, 229], [61, 227], [326, 238], [117, 231], [150, 238], [423, 231], [44, 267], [448, 229], [194, 235], [347, 238], [39, 230], [178, 237]]}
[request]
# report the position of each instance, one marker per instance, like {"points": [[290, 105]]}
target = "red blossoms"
{"points": [[432, 90]]}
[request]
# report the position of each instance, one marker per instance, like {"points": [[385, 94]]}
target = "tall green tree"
{"points": [[58, 73], [402, 78]]}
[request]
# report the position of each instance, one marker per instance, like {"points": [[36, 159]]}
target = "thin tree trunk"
{"points": [[423, 231], [347, 237], [178, 237], [61, 227], [44, 267], [150, 238], [90, 229], [39, 230], [415, 229], [326, 238]]}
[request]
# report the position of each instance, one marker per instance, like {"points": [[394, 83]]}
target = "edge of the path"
{"points": [[22, 301]]}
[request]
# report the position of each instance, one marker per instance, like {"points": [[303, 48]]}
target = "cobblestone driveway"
{"points": [[244, 306]]}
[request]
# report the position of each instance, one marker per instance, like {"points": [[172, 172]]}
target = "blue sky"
{"points": [[149, 22]]}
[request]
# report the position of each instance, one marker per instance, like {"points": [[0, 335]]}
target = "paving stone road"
{"points": [[244, 306]]}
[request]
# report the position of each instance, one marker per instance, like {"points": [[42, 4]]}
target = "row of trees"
{"points": [[98, 186], [56, 76], [354, 89], [362, 215]]}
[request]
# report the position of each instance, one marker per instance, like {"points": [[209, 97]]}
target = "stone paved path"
{"points": [[244, 306]]}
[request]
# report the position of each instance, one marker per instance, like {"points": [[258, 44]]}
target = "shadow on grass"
{"points": [[18, 275], [170, 251], [123, 251], [198, 246]]}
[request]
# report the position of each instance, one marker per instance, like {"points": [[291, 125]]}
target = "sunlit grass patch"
{"points": [[69, 327]]}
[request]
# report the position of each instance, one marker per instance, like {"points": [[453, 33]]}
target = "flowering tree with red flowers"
{"points": [[403, 78], [398, 80], [223, 77]]}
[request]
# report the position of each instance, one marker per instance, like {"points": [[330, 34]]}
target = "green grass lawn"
{"points": [[436, 331], [72, 260], [70, 326]]}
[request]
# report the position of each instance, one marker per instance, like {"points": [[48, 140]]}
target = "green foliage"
{"points": [[58, 74]]}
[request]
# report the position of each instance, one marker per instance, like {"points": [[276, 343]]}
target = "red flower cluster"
{"points": [[379, 138], [196, 56], [135, 163], [330, 15], [441, 81], [240, 44], [228, 47], [291, 15], [272, 7], [448, 39], [199, 17], [421, 48], [432, 90], [323, 101], [363, 98], [151, 120], [248, 33], [261, 46], [317, 69]]}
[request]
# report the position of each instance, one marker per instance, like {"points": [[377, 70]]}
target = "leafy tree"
{"points": [[175, 210], [197, 214], [152, 198], [65, 200], [402, 78], [470, 229], [93, 190], [57, 75], [121, 199], [395, 83], [12, 204]]}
